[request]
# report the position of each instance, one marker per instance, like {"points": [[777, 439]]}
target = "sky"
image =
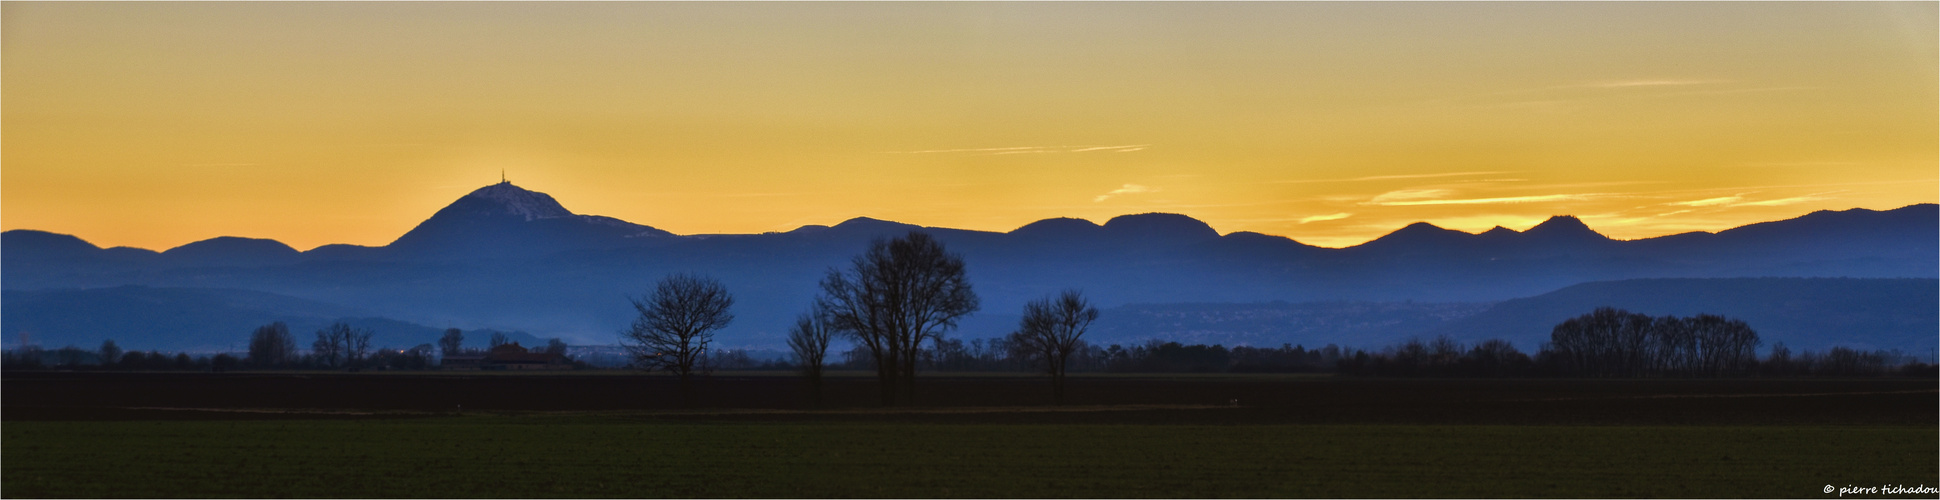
{"points": [[156, 124]]}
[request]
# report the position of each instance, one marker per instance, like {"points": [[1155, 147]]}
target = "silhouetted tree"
{"points": [[675, 325], [1612, 342], [1607, 342], [339, 345], [24, 358], [1779, 362], [499, 339], [1051, 329], [423, 353], [357, 347], [893, 297], [109, 352], [224, 362], [1725, 346], [131, 360], [70, 357], [416, 358], [155, 360], [556, 348], [1496, 358], [809, 338], [1844, 361], [271, 345], [453, 342], [328, 348]]}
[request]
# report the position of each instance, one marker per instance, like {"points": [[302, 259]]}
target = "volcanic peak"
{"points": [[507, 199]]}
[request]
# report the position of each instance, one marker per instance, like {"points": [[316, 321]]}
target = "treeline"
{"points": [[1843, 362], [76, 358], [1437, 357], [335, 347], [1007, 354], [1003, 354], [1604, 343], [271, 347], [1443, 357], [111, 357], [1613, 343]]}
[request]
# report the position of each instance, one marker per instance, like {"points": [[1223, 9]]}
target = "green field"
{"points": [[613, 455]]}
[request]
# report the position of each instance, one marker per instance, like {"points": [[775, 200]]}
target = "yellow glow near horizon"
{"points": [[157, 124]]}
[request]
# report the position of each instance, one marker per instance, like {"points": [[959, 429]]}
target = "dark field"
{"points": [[391, 435], [1263, 399]]}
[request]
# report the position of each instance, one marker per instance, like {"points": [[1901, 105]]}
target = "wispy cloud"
{"points": [[972, 150], [766, 195], [1125, 190], [1572, 96], [1740, 91], [1328, 217], [1392, 177], [1031, 150], [1738, 200], [1805, 164], [1610, 84], [1403, 195], [1708, 202], [1644, 83], [1115, 149], [1403, 202], [1778, 202]]}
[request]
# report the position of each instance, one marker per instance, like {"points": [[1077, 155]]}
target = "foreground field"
{"points": [[614, 456], [498, 436], [1263, 399]]}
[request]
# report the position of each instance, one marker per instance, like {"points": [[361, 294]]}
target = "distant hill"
{"points": [[506, 221], [1369, 325], [507, 257], [1804, 313], [229, 251], [195, 319]]}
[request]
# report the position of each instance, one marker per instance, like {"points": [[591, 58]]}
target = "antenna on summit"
{"points": [[501, 177]]}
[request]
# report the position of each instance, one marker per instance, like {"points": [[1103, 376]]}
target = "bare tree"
{"points": [[499, 339], [453, 342], [1612, 342], [341, 345], [271, 345], [71, 356], [1726, 346], [893, 297], [1051, 330], [809, 338], [675, 325], [1496, 358], [1607, 342], [109, 353], [1676, 346], [329, 346], [357, 346]]}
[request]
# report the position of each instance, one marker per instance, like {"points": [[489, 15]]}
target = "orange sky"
{"points": [[157, 124]]}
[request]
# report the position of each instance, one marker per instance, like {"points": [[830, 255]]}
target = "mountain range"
{"points": [[508, 258], [1803, 313]]}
